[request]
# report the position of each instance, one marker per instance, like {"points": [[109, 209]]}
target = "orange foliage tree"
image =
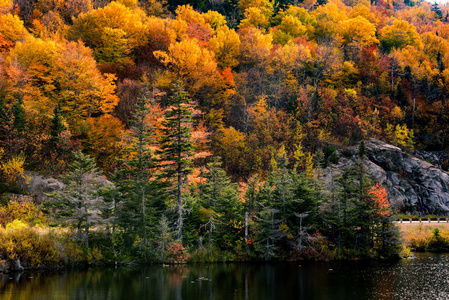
{"points": [[379, 195]]}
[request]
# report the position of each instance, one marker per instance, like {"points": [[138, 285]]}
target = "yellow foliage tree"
{"points": [[84, 91], [288, 61], [103, 140], [291, 23], [399, 35], [115, 47], [255, 17], [46, 73], [266, 6], [358, 30], [5, 6], [230, 144], [290, 26], [12, 28], [255, 47], [226, 46], [328, 17], [90, 27], [189, 62], [434, 46], [363, 10], [11, 169], [129, 3], [30, 66], [160, 33], [188, 14], [309, 170], [215, 19], [400, 135]]}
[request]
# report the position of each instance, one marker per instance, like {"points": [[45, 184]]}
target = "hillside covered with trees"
{"points": [[212, 120]]}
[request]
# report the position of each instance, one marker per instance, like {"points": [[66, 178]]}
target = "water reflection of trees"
{"points": [[296, 280]]}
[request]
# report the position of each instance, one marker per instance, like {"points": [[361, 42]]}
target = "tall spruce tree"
{"points": [[281, 178], [270, 232], [218, 192], [56, 128], [436, 9], [222, 197], [19, 116], [351, 215], [176, 146], [12, 126], [5, 124], [80, 203], [140, 188]]}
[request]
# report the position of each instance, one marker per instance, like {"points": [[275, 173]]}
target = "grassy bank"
{"points": [[425, 236]]}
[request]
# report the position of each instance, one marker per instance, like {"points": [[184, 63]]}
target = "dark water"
{"points": [[426, 277]]}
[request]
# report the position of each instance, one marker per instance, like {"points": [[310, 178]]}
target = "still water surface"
{"points": [[426, 277]]}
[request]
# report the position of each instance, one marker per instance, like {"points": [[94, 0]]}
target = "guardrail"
{"points": [[421, 220]]}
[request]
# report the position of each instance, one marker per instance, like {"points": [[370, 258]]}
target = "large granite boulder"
{"points": [[38, 186], [414, 185]]}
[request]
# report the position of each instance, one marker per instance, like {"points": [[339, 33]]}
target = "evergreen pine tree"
{"points": [[350, 214], [5, 124], [141, 190], [57, 127], [281, 178], [3, 110], [176, 146], [217, 181], [252, 195], [19, 116], [80, 202], [220, 192], [436, 9], [271, 233]]}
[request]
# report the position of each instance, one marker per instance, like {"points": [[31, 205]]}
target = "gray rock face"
{"points": [[414, 185], [16, 266], [37, 186]]}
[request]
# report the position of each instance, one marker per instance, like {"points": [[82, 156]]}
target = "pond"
{"points": [[425, 277]]}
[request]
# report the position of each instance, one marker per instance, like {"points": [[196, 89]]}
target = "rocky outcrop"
{"points": [[437, 158], [38, 186], [7, 266], [414, 185]]}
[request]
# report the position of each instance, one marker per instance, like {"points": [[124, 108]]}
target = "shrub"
{"points": [[35, 247], [20, 208], [176, 253], [94, 256]]}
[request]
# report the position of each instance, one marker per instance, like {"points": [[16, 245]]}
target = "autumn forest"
{"points": [[198, 130]]}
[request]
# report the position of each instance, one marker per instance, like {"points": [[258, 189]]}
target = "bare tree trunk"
{"points": [[210, 235], [246, 227], [86, 227], [180, 221]]}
